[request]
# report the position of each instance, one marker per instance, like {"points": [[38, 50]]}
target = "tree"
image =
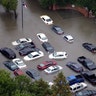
{"points": [[10, 5], [60, 86], [40, 88]]}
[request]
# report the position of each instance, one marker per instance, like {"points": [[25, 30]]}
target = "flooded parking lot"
{"points": [[81, 28]]}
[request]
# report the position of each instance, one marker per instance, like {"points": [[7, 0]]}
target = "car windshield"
{"points": [[19, 62], [41, 65], [48, 20], [48, 69], [90, 63], [44, 38], [21, 46], [18, 41], [30, 56], [13, 66], [58, 29]]}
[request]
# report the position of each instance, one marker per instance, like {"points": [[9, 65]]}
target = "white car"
{"points": [[42, 37], [46, 19], [21, 40], [68, 38], [53, 69], [19, 63], [58, 55], [34, 55], [77, 87]]}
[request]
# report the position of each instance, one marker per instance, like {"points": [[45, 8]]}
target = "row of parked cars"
{"points": [[27, 48], [76, 85]]}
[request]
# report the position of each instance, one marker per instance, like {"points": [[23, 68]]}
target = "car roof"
{"points": [[69, 36], [46, 17]]}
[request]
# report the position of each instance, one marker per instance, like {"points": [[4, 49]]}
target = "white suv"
{"points": [[77, 87]]}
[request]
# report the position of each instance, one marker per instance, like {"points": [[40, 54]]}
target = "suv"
{"points": [[7, 52], [47, 46]]}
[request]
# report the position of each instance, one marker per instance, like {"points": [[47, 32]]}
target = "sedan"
{"points": [[21, 40], [19, 63], [75, 66], [42, 37], [46, 64], [57, 30], [86, 93], [46, 19], [18, 72], [89, 64], [8, 52], [90, 47], [25, 45], [68, 38], [53, 69], [27, 51], [48, 47], [34, 55], [33, 74], [10, 65], [58, 55]]}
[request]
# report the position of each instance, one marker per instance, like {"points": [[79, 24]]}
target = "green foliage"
{"points": [[40, 88], [60, 86], [9, 4]]}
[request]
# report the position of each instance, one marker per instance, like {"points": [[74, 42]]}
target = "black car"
{"points": [[86, 93], [24, 45], [7, 52], [33, 74], [27, 50], [90, 47], [48, 47], [57, 30], [89, 76], [75, 66], [10, 65], [89, 64]]}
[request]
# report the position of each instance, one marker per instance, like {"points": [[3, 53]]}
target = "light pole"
{"points": [[22, 4]]}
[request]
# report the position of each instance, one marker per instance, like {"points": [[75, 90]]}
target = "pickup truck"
{"points": [[74, 79], [90, 76]]}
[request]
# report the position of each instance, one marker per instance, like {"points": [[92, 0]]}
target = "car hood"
{"points": [[92, 67]]}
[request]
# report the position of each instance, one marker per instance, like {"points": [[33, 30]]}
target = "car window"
{"points": [[66, 37], [43, 19]]}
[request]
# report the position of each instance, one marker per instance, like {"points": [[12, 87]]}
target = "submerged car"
{"points": [[18, 72], [8, 52], [25, 45], [58, 55], [27, 51], [88, 63], [42, 37], [53, 69], [33, 74], [75, 66], [34, 55], [48, 47], [46, 19], [19, 63], [46, 64], [10, 65], [68, 38], [21, 40], [90, 47], [57, 30]]}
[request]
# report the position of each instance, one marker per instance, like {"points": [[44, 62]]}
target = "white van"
{"points": [[77, 87]]}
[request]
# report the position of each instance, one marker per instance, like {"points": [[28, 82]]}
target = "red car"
{"points": [[46, 64], [18, 72]]}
